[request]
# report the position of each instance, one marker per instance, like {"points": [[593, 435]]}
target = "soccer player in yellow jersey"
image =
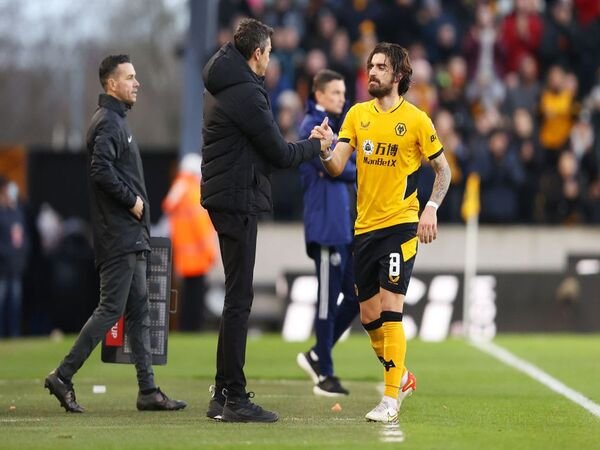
{"points": [[390, 136]]}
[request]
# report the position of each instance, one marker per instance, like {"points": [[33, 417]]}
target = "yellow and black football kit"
{"points": [[390, 146]]}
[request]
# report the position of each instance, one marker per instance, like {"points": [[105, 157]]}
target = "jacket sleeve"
{"points": [[102, 171], [256, 121], [349, 173]]}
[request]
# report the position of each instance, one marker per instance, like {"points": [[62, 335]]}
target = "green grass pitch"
{"points": [[465, 399]]}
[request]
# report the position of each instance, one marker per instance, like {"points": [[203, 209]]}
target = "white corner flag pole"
{"points": [[470, 272]]}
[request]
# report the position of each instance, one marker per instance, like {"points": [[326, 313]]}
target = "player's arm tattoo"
{"points": [[442, 178]]}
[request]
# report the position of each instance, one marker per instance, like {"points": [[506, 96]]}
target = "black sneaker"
{"points": [[330, 386], [64, 392], [216, 403], [158, 401], [243, 410], [310, 364]]}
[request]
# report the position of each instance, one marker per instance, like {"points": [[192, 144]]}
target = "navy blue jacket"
{"points": [[329, 203]]}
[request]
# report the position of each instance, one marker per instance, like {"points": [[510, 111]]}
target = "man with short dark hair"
{"points": [[329, 214], [121, 229], [390, 137], [242, 146]]}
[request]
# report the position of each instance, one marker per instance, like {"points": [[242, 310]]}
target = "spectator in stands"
{"points": [[275, 83], [582, 143], [422, 92], [13, 257], [289, 116], [485, 91], [481, 47], [561, 191], [501, 176], [284, 14], [440, 35], [399, 22], [322, 36], [194, 241], [451, 82], [523, 88], [556, 110], [526, 146], [588, 43], [342, 61], [315, 61], [559, 38], [521, 33], [457, 156]]}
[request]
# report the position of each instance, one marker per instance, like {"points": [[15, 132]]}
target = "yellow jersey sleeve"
{"points": [[428, 139], [348, 131]]}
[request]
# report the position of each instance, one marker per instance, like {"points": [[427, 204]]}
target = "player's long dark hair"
{"points": [[399, 61]]}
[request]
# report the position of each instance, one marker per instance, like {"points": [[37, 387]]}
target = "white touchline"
{"points": [[537, 374]]}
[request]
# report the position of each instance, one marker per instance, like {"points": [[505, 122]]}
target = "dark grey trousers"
{"points": [[123, 290]]}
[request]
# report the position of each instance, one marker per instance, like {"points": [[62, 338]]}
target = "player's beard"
{"points": [[380, 90]]}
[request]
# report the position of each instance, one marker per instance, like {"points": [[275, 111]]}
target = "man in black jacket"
{"points": [[121, 223], [242, 145]]}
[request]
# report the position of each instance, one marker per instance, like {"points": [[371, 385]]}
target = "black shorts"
{"points": [[384, 258]]}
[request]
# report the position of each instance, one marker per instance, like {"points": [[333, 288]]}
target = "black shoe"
{"points": [[158, 401], [330, 386], [63, 392], [243, 410], [216, 403], [310, 365]]}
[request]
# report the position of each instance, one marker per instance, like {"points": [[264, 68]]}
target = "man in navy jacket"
{"points": [[329, 213]]}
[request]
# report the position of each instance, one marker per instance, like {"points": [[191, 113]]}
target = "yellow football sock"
{"points": [[394, 353], [376, 336]]}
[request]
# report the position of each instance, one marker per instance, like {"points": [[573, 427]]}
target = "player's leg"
{"points": [[396, 254], [330, 286], [115, 281], [394, 345], [347, 310], [394, 277], [365, 267]]}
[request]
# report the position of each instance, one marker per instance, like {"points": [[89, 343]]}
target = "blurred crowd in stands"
{"points": [[513, 88]]}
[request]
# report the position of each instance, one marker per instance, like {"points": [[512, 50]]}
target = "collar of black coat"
{"points": [[110, 102]]}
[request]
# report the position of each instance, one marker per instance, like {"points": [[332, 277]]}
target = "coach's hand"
{"points": [[427, 229], [138, 209]]}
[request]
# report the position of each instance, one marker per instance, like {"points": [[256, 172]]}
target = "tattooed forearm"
{"points": [[442, 179]]}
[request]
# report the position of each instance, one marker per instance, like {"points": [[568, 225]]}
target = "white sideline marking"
{"points": [[391, 433], [539, 375], [23, 419]]}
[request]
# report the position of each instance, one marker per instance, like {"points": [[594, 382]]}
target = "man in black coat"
{"points": [[242, 145], [121, 224]]}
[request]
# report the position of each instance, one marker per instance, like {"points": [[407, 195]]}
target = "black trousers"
{"points": [[237, 240], [123, 290]]}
